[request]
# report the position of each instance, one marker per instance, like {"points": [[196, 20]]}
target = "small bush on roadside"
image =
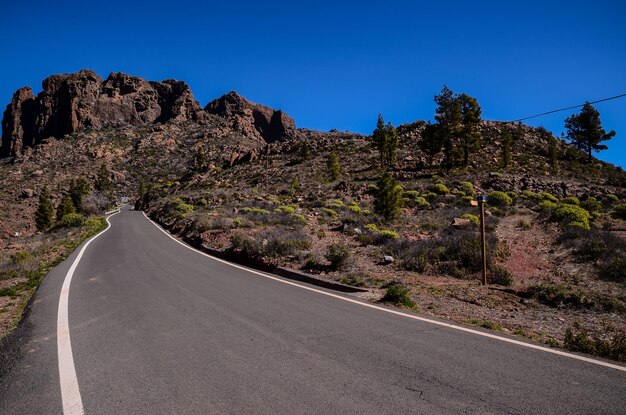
{"points": [[614, 270], [398, 295], [610, 344], [498, 274], [547, 206], [72, 220], [338, 255], [499, 199]]}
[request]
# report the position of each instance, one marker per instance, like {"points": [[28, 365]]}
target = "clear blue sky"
{"points": [[339, 64]]}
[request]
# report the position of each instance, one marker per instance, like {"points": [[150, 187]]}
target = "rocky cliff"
{"points": [[80, 101], [251, 119]]}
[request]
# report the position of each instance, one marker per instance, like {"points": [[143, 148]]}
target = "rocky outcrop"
{"points": [[18, 122], [74, 102], [253, 120]]}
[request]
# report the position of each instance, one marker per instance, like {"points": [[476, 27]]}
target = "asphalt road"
{"points": [[157, 328]]}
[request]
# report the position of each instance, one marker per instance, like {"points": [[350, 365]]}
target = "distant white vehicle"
{"points": [[124, 199]]}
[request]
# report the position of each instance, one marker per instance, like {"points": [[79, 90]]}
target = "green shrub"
{"points": [[472, 218], [620, 210], [335, 204], [421, 203], [398, 295], [183, 208], [610, 199], [498, 274], [571, 200], [95, 224], [467, 188], [329, 212], [21, 257], [285, 209], [355, 209], [299, 217], [372, 227], [387, 234], [546, 206], [499, 199], [591, 204], [512, 195], [548, 196], [610, 344], [237, 222], [72, 220], [429, 195], [527, 194], [613, 270], [411, 194], [524, 224], [338, 255], [255, 210], [572, 215], [440, 189], [466, 200]]}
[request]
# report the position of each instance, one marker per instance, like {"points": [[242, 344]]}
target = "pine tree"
{"points": [[585, 130], [506, 149], [431, 142], [388, 201], [103, 182], [334, 168], [449, 119], [470, 120], [385, 140], [79, 188], [65, 207], [45, 211], [200, 160]]}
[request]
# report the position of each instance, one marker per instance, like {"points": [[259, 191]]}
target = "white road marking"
{"points": [[399, 313], [70, 393]]}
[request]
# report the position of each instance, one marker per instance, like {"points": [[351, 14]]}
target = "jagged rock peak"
{"points": [[253, 120], [77, 101]]}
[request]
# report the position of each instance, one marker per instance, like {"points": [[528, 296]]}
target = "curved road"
{"points": [[157, 328]]}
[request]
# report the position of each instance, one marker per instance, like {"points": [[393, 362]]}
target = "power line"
{"points": [[569, 108]]}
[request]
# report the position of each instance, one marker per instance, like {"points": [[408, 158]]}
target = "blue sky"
{"points": [[339, 64]]}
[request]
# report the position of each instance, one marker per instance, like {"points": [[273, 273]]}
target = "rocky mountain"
{"points": [[71, 103]]}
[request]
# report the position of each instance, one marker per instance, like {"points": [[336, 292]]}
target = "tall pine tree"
{"points": [[45, 211], [388, 201], [385, 140], [585, 130], [431, 142], [470, 120]]}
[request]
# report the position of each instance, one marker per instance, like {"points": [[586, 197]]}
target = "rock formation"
{"points": [[253, 120], [73, 102]]}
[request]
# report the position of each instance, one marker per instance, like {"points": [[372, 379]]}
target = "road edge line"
{"points": [[70, 392], [399, 313]]}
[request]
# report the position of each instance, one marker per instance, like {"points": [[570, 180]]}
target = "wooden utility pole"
{"points": [[481, 205]]}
